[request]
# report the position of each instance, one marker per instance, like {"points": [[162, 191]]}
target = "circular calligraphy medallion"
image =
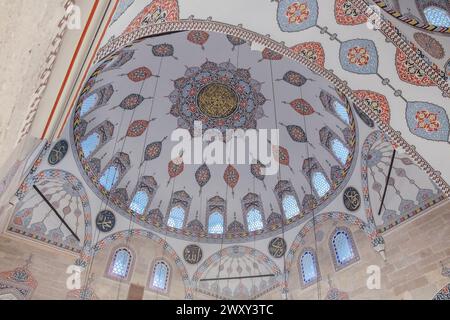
{"points": [[192, 254], [105, 221], [217, 100], [58, 152], [352, 199], [277, 247]]}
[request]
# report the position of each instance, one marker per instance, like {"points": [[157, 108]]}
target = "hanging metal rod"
{"points": [[387, 182], [239, 278], [56, 212]]}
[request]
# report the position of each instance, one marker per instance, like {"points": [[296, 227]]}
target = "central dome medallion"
{"points": [[136, 98], [221, 96], [217, 100]]}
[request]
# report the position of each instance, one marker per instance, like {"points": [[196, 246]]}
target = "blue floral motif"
{"points": [[297, 15], [359, 56], [427, 120]]}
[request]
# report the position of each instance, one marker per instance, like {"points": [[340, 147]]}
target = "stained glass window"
{"points": [[109, 177], [88, 104], [340, 150], [215, 223], [121, 263], [160, 276], [342, 246], [437, 16], [290, 206], [341, 111], [254, 220], [90, 144], [308, 267], [139, 202], [320, 183], [176, 218]]}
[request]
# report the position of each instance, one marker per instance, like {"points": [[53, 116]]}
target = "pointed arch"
{"points": [[343, 248], [160, 276], [96, 138]]}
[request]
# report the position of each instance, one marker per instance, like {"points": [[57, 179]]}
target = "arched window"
{"points": [[160, 276], [215, 223], [176, 218], [290, 206], [320, 183], [139, 202], [88, 104], [121, 264], [90, 144], [308, 268], [437, 16], [343, 248], [340, 151], [341, 111], [109, 177], [254, 220]]}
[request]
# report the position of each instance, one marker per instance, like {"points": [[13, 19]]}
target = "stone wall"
{"points": [[412, 269], [23, 60]]}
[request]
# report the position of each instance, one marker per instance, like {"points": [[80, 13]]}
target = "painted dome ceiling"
{"points": [[136, 97]]}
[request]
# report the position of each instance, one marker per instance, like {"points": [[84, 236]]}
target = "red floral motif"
{"points": [[427, 121], [176, 167], [377, 102], [231, 176], [358, 56], [137, 128], [268, 54], [198, 37], [346, 14], [140, 74], [409, 71], [302, 107], [155, 12], [313, 51], [297, 12], [281, 155]]}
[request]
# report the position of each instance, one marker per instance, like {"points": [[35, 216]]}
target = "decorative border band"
{"points": [[392, 33], [410, 21]]}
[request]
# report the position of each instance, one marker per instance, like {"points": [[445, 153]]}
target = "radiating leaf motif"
{"points": [[139, 74], [153, 151], [297, 133], [256, 170], [203, 175], [137, 128], [163, 50], [235, 41], [198, 37], [131, 102], [231, 176], [175, 167], [302, 107], [268, 54], [294, 78], [281, 155]]}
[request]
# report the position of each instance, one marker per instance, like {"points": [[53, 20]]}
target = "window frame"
{"points": [[151, 276], [223, 222], [109, 274], [184, 217], [318, 277], [262, 219], [337, 265]]}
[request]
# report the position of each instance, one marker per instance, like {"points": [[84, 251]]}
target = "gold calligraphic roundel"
{"points": [[217, 100]]}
